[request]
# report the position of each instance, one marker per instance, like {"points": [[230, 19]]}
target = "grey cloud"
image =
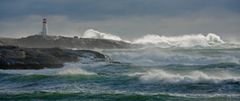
{"points": [[126, 18], [95, 9], [129, 27]]}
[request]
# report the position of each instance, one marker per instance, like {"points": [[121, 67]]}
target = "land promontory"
{"points": [[39, 41]]}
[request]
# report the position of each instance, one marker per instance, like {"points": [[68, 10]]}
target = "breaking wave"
{"points": [[90, 33], [181, 41], [68, 69], [74, 69], [154, 40], [156, 57], [159, 75]]}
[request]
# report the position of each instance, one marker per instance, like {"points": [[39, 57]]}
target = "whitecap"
{"points": [[159, 75], [74, 71], [68, 69], [90, 33], [210, 40], [181, 41]]}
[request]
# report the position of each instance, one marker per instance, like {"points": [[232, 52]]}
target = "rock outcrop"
{"points": [[38, 41], [12, 57]]}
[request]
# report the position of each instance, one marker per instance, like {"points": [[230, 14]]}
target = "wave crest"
{"points": [[181, 41], [191, 77], [74, 69], [68, 69], [210, 40], [90, 33]]}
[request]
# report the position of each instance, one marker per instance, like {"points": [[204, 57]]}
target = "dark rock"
{"points": [[12, 57]]}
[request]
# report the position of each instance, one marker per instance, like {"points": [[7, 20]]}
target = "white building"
{"points": [[44, 31]]}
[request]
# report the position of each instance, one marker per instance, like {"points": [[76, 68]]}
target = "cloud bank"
{"points": [[127, 18]]}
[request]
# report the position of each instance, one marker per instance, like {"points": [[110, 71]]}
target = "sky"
{"points": [[128, 19]]}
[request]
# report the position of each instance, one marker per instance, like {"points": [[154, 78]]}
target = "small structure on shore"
{"points": [[44, 31]]}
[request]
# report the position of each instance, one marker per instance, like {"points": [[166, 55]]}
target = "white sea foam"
{"points": [[68, 69], [158, 75], [156, 57], [90, 33], [73, 69], [181, 41], [155, 40]]}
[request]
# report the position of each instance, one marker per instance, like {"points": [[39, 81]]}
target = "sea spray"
{"points": [[182, 41], [209, 40], [163, 76], [157, 56], [90, 33], [73, 69], [68, 69], [151, 74]]}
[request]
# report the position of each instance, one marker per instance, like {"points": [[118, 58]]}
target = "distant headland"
{"points": [[43, 40], [45, 51]]}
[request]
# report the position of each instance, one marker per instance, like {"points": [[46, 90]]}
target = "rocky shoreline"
{"points": [[13, 57], [38, 41]]}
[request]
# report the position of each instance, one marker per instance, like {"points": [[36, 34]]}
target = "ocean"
{"points": [[199, 72]]}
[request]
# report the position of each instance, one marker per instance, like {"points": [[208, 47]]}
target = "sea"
{"points": [[159, 68]]}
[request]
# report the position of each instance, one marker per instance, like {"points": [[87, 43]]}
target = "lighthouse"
{"points": [[44, 27]]}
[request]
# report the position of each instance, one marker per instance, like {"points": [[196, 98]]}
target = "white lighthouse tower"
{"points": [[44, 27]]}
